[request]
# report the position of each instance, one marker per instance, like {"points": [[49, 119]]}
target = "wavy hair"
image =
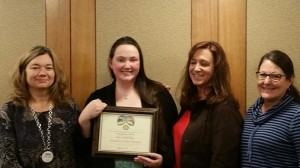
{"points": [[220, 85], [57, 91]]}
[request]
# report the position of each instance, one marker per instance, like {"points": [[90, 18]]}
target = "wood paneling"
{"points": [[232, 36], [224, 21], [71, 34], [83, 50], [205, 23], [58, 32]]}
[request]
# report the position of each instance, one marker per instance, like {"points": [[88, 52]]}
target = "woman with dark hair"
{"points": [[38, 127], [132, 88], [271, 134], [207, 133]]}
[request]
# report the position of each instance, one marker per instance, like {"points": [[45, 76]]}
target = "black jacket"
{"points": [[168, 116], [212, 137]]}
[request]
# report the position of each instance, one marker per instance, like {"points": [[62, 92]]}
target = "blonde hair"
{"points": [[58, 90]]}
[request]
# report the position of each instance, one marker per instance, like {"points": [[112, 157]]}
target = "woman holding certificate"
{"points": [[132, 88], [207, 133]]}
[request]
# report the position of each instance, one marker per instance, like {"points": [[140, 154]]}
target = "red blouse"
{"points": [[178, 131]]}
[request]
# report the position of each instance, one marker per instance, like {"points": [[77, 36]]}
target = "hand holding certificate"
{"points": [[125, 132]]}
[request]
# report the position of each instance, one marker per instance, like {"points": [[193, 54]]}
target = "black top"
{"points": [[168, 114], [212, 137], [21, 144]]}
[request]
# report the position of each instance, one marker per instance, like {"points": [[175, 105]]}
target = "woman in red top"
{"points": [[207, 133]]}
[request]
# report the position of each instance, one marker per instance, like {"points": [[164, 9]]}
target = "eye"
{"points": [[49, 67], [204, 63], [193, 62], [133, 59], [120, 59], [263, 75], [275, 76], [34, 67]]}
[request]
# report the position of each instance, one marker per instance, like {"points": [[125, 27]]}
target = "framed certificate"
{"points": [[125, 132]]}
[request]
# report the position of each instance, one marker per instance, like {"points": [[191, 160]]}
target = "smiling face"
{"points": [[40, 74], [272, 91], [125, 63], [201, 68]]}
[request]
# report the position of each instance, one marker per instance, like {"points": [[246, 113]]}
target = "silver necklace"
{"points": [[47, 155]]}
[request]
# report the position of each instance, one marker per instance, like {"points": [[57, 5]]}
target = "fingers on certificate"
{"points": [[150, 160]]}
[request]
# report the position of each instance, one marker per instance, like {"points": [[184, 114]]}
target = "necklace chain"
{"points": [[48, 141]]}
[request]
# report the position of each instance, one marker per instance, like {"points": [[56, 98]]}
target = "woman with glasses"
{"points": [[271, 134]]}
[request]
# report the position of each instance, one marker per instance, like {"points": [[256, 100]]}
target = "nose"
{"points": [[42, 72], [197, 67], [127, 64]]}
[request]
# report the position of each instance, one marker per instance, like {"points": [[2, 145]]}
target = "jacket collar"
{"points": [[259, 117]]}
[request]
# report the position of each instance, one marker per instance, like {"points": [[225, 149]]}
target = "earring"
{"points": [[289, 90]]}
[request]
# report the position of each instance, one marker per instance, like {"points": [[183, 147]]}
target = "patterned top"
{"points": [[21, 144], [272, 139], [127, 163]]}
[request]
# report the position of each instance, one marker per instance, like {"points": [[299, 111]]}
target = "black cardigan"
{"points": [[212, 137], [168, 116]]}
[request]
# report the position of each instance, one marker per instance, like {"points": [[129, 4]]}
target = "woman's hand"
{"points": [[92, 110], [152, 160]]}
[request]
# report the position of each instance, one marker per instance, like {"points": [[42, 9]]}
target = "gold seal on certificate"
{"points": [[125, 132]]}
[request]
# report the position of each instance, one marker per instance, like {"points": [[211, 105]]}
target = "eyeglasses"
{"points": [[273, 77]]}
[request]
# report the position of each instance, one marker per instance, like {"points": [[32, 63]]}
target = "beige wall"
{"points": [[162, 28], [22, 26], [271, 24]]}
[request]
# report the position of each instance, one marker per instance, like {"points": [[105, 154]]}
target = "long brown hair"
{"points": [[146, 87], [58, 90], [220, 85]]}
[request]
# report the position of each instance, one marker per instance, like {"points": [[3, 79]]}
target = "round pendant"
{"points": [[47, 156]]}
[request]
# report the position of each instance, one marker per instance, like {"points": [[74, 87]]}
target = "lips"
{"points": [[196, 76], [127, 72], [42, 80], [267, 88]]}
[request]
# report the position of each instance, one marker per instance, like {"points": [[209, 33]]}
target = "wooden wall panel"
{"points": [[232, 36], [205, 20], [83, 49], [58, 32], [224, 21], [71, 33]]}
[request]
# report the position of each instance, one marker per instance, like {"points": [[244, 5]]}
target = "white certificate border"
{"points": [[104, 115], [125, 110]]}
